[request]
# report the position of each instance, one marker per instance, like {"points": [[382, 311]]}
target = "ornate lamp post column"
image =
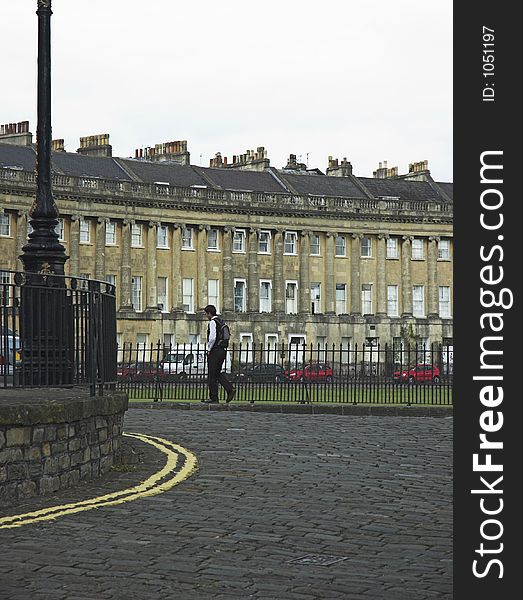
{"points": [[46, 324], [43, 252]]}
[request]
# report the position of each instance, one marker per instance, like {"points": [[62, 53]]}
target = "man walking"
{"points": [[215, 357]]}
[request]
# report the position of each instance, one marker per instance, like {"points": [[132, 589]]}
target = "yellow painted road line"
{"points": [[149, 487]]}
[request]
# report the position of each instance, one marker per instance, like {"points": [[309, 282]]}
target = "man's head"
{"points": [[210, 311]]}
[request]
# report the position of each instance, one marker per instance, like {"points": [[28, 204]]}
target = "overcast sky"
{"points": [[367, 80]]}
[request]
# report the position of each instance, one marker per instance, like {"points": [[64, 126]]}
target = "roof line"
{"points": [[126, 170], [199, 171]]}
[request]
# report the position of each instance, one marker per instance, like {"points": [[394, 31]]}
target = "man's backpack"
{"points": [[223, 333]]}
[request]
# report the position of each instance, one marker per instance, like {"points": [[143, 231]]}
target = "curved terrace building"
{"points": [[287, 255]]}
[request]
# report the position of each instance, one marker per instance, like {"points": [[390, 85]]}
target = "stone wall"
{"points": [[53, 439]]}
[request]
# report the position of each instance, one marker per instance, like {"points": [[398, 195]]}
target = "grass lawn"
{"points": [[382, 394]]}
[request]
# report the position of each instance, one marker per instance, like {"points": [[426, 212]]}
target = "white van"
{"points": [[184, 364], [188, 362]]}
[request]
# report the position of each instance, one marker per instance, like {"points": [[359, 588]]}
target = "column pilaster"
{"points": [[406, 281], [125, 269], [279, 288], [253, 285], [381, 278], [304, 284], [355, 273]]}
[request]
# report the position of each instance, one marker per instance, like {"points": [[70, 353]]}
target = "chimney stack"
{"points": [[95, 145], [335, 169], [174, 152], [383, 172], [58, 145], [17, 134], [250, 161], [294, 165]]}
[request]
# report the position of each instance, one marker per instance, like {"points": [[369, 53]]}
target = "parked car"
{"points": [[263, 372], [421, 372], [138, 371], [312, 372], [10, 354], [181, 365]]}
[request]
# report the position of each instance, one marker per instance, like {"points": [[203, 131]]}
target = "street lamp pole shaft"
{"points": [[44, 206], [43, 252]]}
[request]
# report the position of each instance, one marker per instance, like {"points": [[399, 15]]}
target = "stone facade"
{"points": [[53, 442], [377, 252]]}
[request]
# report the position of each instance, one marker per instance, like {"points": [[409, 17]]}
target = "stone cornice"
{"points": [[124, 193]]}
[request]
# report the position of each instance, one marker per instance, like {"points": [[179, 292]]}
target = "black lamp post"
{"points": [[46, 312], [43, 252]]}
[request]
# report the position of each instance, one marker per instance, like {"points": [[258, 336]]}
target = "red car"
{"points": [[314, 372], [138, 371], [420, 372]]}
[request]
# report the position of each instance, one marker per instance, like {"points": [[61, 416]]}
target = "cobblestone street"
{"points": [[269, 489]]}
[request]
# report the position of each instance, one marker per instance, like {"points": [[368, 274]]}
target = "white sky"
{"points": [[367, 80]]}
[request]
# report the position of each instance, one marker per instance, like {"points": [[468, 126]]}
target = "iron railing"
{"points": [[293, 373], [56, 331]]}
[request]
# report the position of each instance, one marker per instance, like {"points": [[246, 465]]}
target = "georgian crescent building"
{"points": [[286, 255]]}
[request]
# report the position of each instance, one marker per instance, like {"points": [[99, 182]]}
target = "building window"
{"points": [[291, 297], [265, 296], [85, 231], [341, 298], [345, 350], [239, 295], [168, 341], [213, 293], [264, 242], [212, 239], [136, 236], [290, 244], [5, 288], [5, 224], [188, 294], [136, 293], [111, 280], [142, 347], [83, 281], [366, 247], [187, 238], [444, 250], [444, 302], [392, 247], [392, 301], [417, 249], [163, 297], [315, 245], [418, 301], [110, 233], [162, 236], [271, 345], [341, 246], [366, 298], [238, 241], [246, 354], [59, 229], [315, 298], [193, 339], [321, 347]]}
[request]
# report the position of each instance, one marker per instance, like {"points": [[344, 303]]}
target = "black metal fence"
{"points": [[293, 373], [56, 331]]}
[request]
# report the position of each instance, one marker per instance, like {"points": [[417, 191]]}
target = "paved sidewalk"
{"points": [[270, 488]]}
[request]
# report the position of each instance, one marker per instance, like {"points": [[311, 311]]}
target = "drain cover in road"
{"points": [[323, 560]]}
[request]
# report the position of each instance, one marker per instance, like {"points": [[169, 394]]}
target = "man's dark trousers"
{"points": [[215, 360]]}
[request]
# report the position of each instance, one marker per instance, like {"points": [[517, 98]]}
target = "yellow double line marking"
{"points": [[149, 487]]}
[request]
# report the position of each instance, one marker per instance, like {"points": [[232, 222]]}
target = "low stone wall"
{"points": [[52, 439]]}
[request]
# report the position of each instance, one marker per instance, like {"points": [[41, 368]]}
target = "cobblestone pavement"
{"points": [[270, 488]]}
